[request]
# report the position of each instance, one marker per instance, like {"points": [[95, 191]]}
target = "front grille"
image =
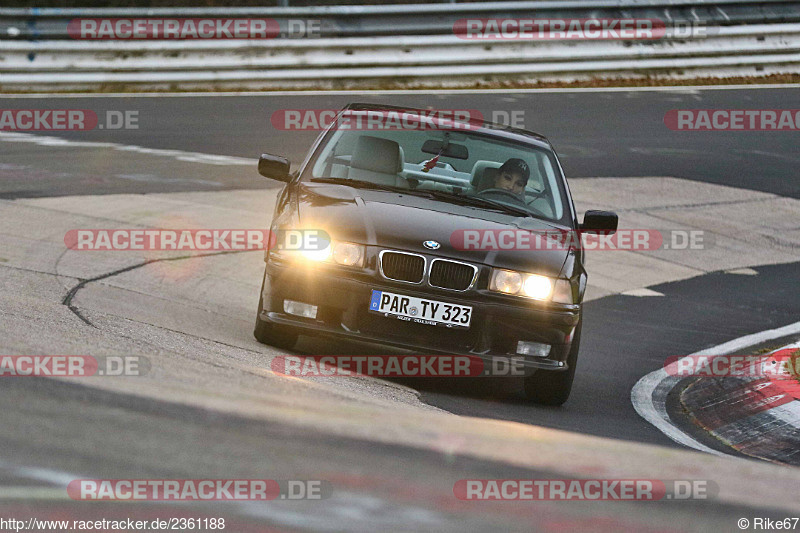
{"points": [[403, 267], [450, 275]]}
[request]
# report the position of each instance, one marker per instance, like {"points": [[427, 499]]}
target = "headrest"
{"points": [[484, 174], [376, 155], [479, 168]]}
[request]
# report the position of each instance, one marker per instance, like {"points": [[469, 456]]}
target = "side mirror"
{"points": [[274, 167], [602, 221]]}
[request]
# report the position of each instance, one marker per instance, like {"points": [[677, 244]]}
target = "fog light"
{"points": [[534, 349], [299, 309]]}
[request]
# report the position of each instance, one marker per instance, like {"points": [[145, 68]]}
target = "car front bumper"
{"points": [[342, 296]]}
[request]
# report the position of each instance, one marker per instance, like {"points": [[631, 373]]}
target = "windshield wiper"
{"points": [[359, 184], [431, 193], [479, 202]]}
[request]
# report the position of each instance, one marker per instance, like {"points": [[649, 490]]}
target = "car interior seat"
{"points": [[484, 174], [377, 160]]}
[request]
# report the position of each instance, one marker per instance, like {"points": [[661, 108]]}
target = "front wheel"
{"points": [[272, 334], [552, 387]]}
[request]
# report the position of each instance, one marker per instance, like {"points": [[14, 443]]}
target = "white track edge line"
{"points": [[649, 394]]}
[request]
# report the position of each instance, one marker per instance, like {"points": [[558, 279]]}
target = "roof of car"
{"points": [[485, 126]]}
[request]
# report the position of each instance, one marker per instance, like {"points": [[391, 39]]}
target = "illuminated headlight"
{"points": [[341, 253], [532, 286], [538, 287], [321, 254]]}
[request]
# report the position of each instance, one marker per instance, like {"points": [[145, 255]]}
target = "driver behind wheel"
{"points": [[513, 176]]}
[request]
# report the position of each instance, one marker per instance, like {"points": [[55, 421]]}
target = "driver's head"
{"points": [[513, 176]]}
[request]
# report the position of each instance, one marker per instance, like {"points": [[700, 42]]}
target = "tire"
{"points": [[266, 333], [552, 387]]}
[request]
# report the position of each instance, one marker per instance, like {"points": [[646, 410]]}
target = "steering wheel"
{"points": [[505, 193], [540, 194], [536, 194]]}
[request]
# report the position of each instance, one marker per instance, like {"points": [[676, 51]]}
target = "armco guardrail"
{"points": [[742, 38], [420, 19]]}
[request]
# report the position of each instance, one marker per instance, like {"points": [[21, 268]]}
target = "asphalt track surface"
{"points": [[141, 439], [597, 134], [625, 337], [98, 434]]}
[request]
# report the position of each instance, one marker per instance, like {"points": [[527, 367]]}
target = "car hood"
{"points": [[403, 222]]}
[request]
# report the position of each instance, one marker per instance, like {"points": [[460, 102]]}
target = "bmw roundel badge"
{"points": [[431, 245]]}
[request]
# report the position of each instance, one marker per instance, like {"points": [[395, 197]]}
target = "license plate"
{"points": [[420, 310]]}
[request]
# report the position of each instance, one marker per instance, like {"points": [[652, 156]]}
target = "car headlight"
{"points": [[341, 253], [506, 281], [538, 287], [321, 254], [532, 286], [348, 254]]}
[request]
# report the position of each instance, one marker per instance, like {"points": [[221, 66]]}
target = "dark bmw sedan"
{"points": [[423, 219]]}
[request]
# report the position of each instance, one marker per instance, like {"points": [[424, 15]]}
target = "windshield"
{"points": [[447, 165]]}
